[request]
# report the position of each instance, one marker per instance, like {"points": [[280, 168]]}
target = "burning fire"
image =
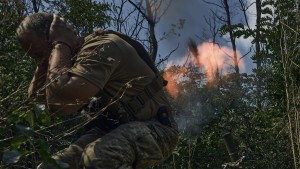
{"points": [[207, 56], [172, 86], [174, 76]]}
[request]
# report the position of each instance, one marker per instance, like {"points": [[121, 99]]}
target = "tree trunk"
{"points": [[257, 53], [233, 43], [35, 6], [152, 38]]}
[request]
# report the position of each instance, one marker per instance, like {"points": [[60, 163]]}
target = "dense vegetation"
{"points": [[260, 109]]}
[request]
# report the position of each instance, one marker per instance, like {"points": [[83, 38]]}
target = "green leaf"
{"points": [[25, 130], [11, 157], [31, 118], [17, 142], [39, 108]]}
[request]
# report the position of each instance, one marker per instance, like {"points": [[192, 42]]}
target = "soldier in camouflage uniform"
{"points": [[103, 63]]}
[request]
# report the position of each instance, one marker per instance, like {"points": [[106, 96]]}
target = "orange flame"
{"points": [[173, 76], [171, 87], [210, 57]]}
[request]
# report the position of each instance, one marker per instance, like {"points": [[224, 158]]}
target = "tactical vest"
{"points": [[109, 118]]}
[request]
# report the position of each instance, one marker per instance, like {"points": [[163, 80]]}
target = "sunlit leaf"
{"points": [[10, 157], [39, 108]]}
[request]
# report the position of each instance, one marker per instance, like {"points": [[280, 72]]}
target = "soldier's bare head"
{"points": [[39, 23], [33, 34]]}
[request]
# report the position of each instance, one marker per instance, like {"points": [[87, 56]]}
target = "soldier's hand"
{"points": [[61, 31]]}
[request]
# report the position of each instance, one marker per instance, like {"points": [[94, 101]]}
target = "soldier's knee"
{"points": [[93, 157], [89, 157], [104, 157]]}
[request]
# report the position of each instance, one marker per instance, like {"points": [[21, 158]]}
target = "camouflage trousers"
{"points": [[134, 145]]}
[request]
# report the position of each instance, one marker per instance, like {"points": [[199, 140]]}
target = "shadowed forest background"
{"points": [[209, 94]]}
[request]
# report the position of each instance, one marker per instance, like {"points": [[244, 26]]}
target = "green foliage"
{"points": [[29, 134], [199, 152], [208, 110], [237, 29], [85, 15], [205, 110]]}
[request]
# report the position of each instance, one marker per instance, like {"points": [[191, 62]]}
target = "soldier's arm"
{"points": [[66, 92], [36, 89]]}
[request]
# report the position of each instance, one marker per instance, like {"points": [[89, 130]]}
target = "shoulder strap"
{"points": [[136, 103], [138, 47]]}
